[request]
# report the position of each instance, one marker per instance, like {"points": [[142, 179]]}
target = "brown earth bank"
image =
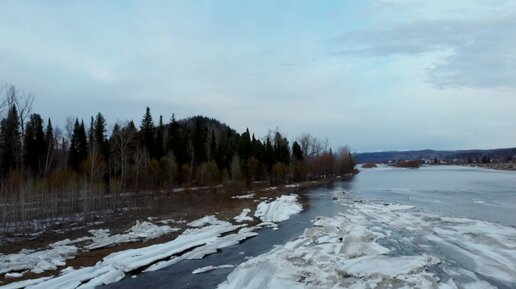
{"points": [[184, 206]]}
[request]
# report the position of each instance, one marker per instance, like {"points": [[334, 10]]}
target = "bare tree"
{"points": [[123, 136], [312, 146], [22, 101]]}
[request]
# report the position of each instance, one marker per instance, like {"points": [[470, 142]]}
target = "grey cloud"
{"points": [[482, 52]]}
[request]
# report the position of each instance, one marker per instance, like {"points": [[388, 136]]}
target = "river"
{"points": [[472, 193]]}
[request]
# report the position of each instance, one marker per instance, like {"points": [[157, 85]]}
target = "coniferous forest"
{"points": [[49, 173]]}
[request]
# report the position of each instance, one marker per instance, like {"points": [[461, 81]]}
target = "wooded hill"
{"points": [[38, 161]]}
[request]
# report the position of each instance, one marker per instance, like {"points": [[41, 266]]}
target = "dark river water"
{"points": [[456, 191]]}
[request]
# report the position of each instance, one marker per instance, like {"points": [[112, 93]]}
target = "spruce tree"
{"points": [[78, 145], [147, 133], [35, 148], [297, 153], [50, 145], [159, 145], [10, 141], [100, 142]]}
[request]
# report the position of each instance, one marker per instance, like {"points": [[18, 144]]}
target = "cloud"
{"points": [[478, 52]]}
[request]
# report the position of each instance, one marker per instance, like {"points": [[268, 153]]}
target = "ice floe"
{"points": [[139, 232], [211, 268], [278, 210], [375, 245], [37, 261]]}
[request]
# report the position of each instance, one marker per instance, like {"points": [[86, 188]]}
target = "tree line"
{"points": [[89, 157]]}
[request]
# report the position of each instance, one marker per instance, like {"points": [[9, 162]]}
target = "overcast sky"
{"points": [[374, 75]]}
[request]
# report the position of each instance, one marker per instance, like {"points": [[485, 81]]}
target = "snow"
{"points": [[375, 245], [242, 197], [206, 237], [207, 220], [278, 210], [244, 216], [139, 232], [57, 253], [37, 261], [210, 268], [292, 186]]}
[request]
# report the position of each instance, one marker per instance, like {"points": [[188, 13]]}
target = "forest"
{"points": [[48, 173]]}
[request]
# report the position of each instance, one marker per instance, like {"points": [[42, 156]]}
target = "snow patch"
{"points": [[244, 216], [242, 197]]}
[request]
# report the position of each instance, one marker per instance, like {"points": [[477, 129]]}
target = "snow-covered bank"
{"points": [[204, 236], [57, 253], [372, 245]]}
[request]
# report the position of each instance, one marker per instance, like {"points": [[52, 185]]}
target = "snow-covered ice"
{"points": [[38, 261], [139, 232], [375, 245], [244, 216], [278, 210]]}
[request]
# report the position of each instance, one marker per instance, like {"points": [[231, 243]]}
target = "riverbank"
{"points": [[171, 213], [496, 166]]}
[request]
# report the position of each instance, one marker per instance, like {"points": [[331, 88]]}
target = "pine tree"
{"points": [[147, 133], [100, 142], [10, 141], [213, 146], [199, 141], [35, 148], [176, 142], [159, 145], [51, 146], [297, 153], [269, 154], [78, 145], [245, 148]]}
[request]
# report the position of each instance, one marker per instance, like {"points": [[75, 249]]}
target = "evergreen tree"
{"points": [[50, 145], [78, 145], [35, 149], [269, 154], [245, 147], [176, 142], [281, 149], [100, 143], [159, 145], [297, 153], [213, 146], [10, 141], [147, 133], [199, 141]]}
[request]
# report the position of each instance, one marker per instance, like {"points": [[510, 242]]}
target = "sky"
{"points": [[373, 75]]}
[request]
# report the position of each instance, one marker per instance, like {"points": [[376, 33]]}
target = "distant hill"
{"points": [[495, 154]]}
